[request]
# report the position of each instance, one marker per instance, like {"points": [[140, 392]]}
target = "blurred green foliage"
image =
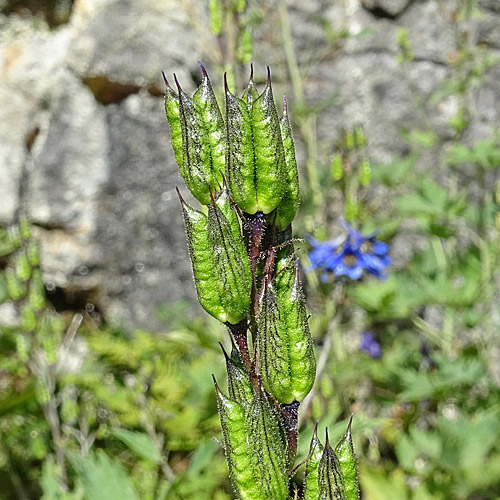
{"points": [[93, 412]]}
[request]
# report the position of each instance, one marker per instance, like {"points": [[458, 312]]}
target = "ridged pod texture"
{"points": [[255, 158], [348, 466], [286, 356], [311, 486], [269, 459], [287, 209], [238, 382], [237, 448], [200, 148], [221, 267], [172, 110], [331, 486]]}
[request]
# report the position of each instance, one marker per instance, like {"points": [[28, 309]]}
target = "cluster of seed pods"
{"points": [[241, 167]]}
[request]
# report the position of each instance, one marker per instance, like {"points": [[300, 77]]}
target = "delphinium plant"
{"points": [[241, 167]]}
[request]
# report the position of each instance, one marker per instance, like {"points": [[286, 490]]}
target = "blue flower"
{"points": [[350, 255], [370, 345]]}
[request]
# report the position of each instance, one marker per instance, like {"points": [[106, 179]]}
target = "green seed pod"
{"points": [[284, 343], [16, 289], [23, 268], [348, 465], [50, 347], [221, 267], [244, 47], [216, 16], [232, 265], [287, 209], [239, 386], [255, 157], [23, 347], [38, 447], [69, 410], [337, 169], [28, 318], [269, 459], [172, 110], [203, 142], [24, 228], [237, 447], [33, 253], [311, 487], [351, 208], [41, 391], [14, 237], [349, 140], [37, 291], [270, 166], [360, 137], [330, 482], [250, 94], [365, 172], [239, 153]]}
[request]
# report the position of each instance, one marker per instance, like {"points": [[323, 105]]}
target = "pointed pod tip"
{"points": [[203, 70], [224, 352], [284, 106], [177, 83], [226, 86], [327, 440], [315, 433], [165, 79], [350, 424], [181, 199], [251, 72], [217, 388], [268, 75]]}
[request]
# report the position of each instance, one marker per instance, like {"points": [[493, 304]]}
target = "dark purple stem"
{"points": [[290, 414]]}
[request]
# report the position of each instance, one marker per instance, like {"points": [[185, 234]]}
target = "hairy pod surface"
{"points": [[220, 263], [287, 209], [348, 466], [237, 448], [198, 137], [172, 110], [238, 382], [255, 164], [311, 486], [269, 459], [286, 355], [330, 481]]}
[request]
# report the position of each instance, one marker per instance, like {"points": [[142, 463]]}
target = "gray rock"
{"points": [[130, 41], [140, 230], [431, 28]]}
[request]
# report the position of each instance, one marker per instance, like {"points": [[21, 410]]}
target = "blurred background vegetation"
{"points": [[91, 410]]}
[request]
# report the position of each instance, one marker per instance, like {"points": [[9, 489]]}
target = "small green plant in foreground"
{"points": [[242, 169]]}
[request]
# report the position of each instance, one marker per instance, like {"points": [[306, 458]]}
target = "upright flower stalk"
{"points": [[242, 168]]}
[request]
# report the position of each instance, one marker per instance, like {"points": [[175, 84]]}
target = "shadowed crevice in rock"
{"points": [[386, 9], [107, 91], [73, 299]]}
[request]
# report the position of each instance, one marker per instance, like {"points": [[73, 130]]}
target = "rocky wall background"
{"points": [[84, 143]]}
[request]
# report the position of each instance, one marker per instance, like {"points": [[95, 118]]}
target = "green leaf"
{"points": [[103, 478], [140, 443]]}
